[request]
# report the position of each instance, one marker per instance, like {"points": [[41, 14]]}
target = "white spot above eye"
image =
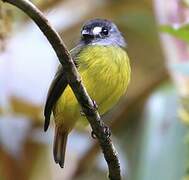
{"points": [[97, 30]]}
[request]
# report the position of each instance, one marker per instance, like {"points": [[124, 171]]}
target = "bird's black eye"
{"points": [[105, 31]]}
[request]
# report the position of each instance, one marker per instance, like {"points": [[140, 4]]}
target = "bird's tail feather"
{"points": [[59, 148]]}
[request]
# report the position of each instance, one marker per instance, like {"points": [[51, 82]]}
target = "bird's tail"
{"points": [[59, 149]]}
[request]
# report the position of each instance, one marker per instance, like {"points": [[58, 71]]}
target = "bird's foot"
{"points": [[107, 131]]}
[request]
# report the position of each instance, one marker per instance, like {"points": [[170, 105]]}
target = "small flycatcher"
{"points": [[105, 71]]}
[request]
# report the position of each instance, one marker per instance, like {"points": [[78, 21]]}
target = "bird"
{"points": [[104, 66]]}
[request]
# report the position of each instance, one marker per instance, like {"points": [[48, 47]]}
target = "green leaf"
{"points": [[181, 32]]}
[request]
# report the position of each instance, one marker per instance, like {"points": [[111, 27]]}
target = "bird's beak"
{"points": [[87, 34]]}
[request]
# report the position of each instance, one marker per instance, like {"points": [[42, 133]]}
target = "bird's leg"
{"points": [[107, 131]]}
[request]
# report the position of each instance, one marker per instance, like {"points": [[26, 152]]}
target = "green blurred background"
{"points": [[149, 125]]}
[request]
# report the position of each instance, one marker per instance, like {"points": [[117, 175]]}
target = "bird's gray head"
{"points": [[101, 32]]}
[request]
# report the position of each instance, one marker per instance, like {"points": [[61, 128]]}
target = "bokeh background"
{"points": [[149, 125]]}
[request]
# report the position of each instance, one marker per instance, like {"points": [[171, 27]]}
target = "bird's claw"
{"points": [[107, 131]]}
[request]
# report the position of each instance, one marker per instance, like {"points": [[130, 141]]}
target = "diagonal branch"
{"points": [[74, 81]]}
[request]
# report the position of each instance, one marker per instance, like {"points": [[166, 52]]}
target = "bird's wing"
{"points": [[57, 87]]}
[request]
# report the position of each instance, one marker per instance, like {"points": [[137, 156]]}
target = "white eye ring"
{"points": [[97, 30]]}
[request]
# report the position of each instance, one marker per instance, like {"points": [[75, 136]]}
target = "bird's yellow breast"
{"points": [[105, 72]]}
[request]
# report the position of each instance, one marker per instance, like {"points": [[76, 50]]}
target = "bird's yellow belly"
{"points": [[105, 73]]}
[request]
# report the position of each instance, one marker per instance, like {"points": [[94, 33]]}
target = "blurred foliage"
{"points": [[184, 110], [44, 5], [5, 24], [140, 22], [179, 31], [186, 2], [162, 151]]}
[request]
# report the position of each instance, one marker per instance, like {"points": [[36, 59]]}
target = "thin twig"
{"points": [[74, 81]]}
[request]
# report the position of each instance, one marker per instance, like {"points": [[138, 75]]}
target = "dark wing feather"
{"points": [[58, 85]]}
